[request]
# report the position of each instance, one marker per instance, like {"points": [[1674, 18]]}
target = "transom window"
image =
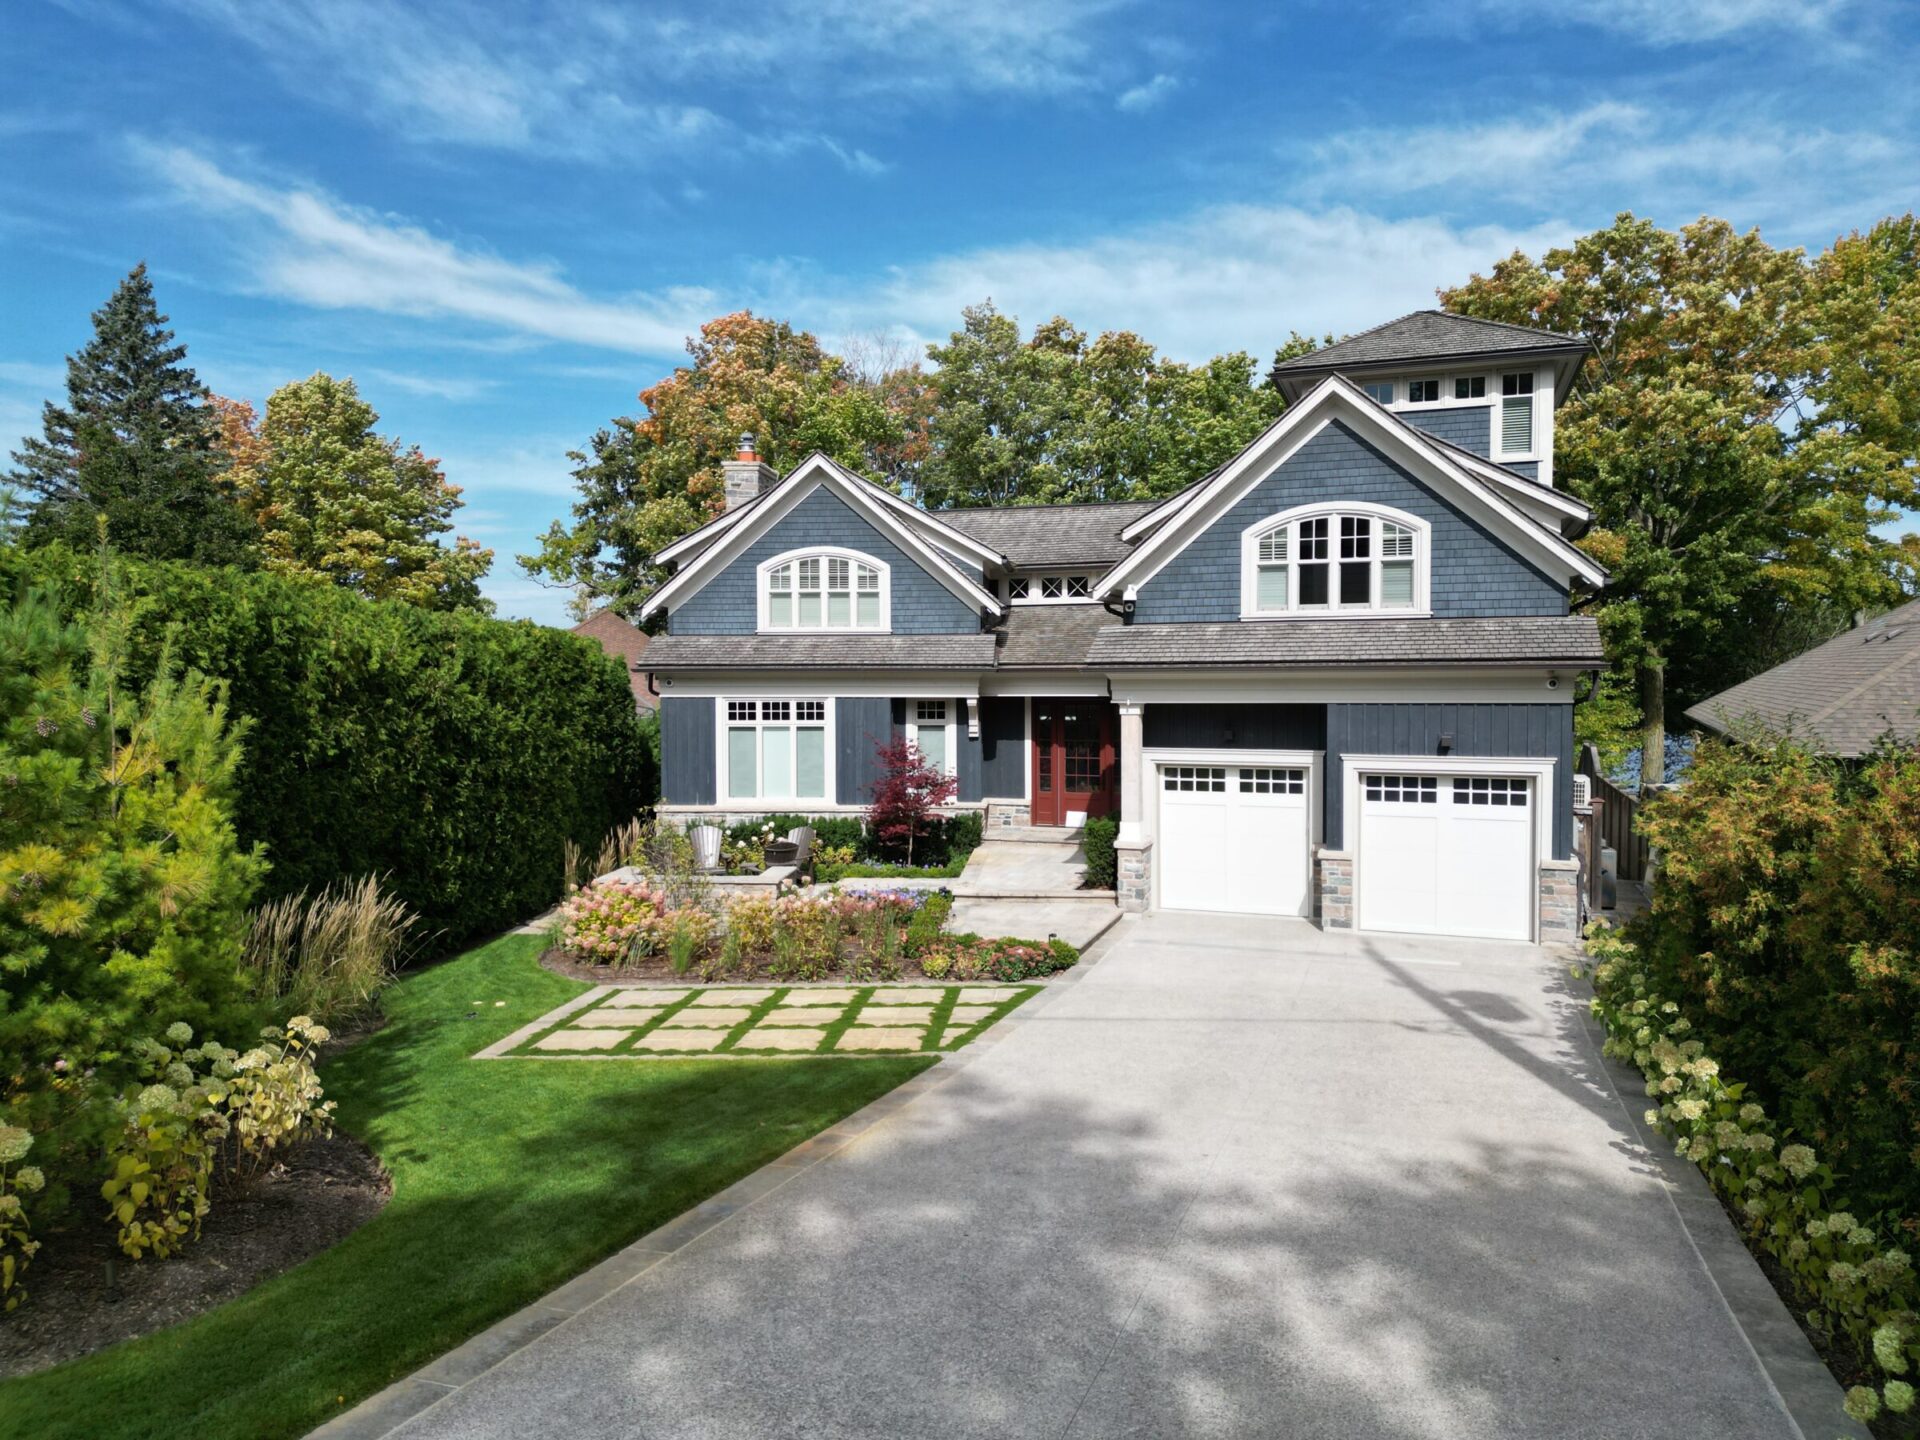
{"points": [[1403, 789], [1032, 589], [825, 591], [776, 750], [1193, 777], [1335, 560], [1261, 781], [1489, 790], [1423, 392]]}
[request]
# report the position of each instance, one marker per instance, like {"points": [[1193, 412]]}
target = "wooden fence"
{"points": [[1616, 815]]}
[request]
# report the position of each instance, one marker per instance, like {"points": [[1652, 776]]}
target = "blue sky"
{"points": [[502, 219]]}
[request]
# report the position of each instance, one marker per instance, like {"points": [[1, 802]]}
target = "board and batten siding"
{"points": [[1234, 727], [688, 774], [1003, 748], [1473, 574], [861, 724], [727, 604], [1530, 731]]}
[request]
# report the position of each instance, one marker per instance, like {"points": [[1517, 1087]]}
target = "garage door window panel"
{"points": [[1234, 838]]}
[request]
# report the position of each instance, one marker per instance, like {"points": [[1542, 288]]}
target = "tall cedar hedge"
{"points": [[452, 753]]}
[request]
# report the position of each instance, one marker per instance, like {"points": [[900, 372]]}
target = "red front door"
{"points": [[1073, 763]]}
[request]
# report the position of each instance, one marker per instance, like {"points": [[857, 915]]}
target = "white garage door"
{"points": [[1234, 837], [1446, 855]]}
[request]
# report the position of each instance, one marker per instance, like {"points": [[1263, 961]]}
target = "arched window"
{"points": [[1335, 559], [824, 589]]}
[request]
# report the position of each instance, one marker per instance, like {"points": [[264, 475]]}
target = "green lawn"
{"points": [[509, 1177]]}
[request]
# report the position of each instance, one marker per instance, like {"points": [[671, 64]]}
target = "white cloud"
{"points": [[1148, 95], [1663, 22], [437, 387], [304, 245]]}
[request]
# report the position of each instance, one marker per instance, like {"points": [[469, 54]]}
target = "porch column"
{"points": [[1132, 786]]}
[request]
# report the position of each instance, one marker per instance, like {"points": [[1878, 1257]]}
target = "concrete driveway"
{"points": [[1242, 1179]]}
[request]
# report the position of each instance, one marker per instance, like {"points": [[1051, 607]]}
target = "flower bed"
{"points": [[1851, 1282], [874, 933]]}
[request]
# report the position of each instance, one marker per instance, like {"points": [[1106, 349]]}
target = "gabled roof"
{"points": [[911, 531], [1844, 695], [625, 642], [1038, 536], [1573, 514], [1336, 398], [1428, 335]]}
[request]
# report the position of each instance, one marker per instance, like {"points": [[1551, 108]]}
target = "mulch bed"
{"points": [[321, 1193]]}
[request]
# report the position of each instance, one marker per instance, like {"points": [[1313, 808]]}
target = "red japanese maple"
{"points": [[907, 797]]}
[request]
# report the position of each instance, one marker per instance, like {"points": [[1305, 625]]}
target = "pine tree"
{"points": [[135, 443]]}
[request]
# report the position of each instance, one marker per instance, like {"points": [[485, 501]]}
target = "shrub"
{"points": [[962, 834], [330, 955], [923, 930], [271, 1094], [751, 921], [161, 1168], [1097, 839], [611, 920], [452, 754], [1785, 920], [1854, 1280], [936, 966], [17, 1245]]}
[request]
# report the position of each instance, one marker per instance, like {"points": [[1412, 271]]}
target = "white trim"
{"points": [[829, 724], [763, 597], [781, 501], [1070, 684], [1251, 536], [1312, 761], [810, 684], [1036, 580], [1354, 686], [1401, 440], [1163, 512]]}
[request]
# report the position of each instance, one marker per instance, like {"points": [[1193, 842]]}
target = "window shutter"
{"points": [[1516, 425]]}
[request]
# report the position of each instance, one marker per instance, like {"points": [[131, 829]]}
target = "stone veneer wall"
{"points": [[1133, 888], [1333, 889], [1008, 815], [1559, 902]]}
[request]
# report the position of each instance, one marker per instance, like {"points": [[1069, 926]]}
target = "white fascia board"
{"points": [[1354, 685], [1524, 491], [807, 684], [1161, 513], [938, 531], [814, 471], [1336, 398]]}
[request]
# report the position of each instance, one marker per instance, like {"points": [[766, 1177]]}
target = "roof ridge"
{"points": [[1313, 358]]}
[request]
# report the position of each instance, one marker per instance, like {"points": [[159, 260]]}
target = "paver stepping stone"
{"points": [[905, 995], [581, 1039], [796, 1039], [896, 1015], [732, 997], [987, 997], [889, 1039], [827, 996], [636, 996], [701, 1040], [631, 1016], [970, 1014], [711, 1015]]}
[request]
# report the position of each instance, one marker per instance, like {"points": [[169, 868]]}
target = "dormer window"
{"points": [[1516, 413], [1423, 392], [1380, 390], [823, 590], [1039, 589], [1345, 559]]}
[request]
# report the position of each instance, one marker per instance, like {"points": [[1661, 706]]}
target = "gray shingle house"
{"points": [[1332, 678]]}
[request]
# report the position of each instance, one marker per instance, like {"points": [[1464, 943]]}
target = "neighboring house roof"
{"points": [[1037, 536], [1844, 694], [678, 653], [1428, 335], [624, 641], [1571, 640], [1050, 635]]}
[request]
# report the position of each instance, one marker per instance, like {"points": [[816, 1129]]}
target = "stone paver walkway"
{"points": [[643, 1021]]}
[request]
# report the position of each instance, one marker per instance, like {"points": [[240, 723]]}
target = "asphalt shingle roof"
{"points": [[1572, 640], [1426, 335], [1051, 634], [1038, 536], [782, 652], [1844, 694]]}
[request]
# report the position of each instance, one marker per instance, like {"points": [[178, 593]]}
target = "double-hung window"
{"points": [[776, 750], [1334, 560], [1516, 413], [825, 591]]}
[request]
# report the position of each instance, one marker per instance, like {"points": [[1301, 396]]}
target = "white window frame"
{"points": [[823, 553], [1037, 581], [760, 800], [915, 724], [1422, 564], [1500, 400]]}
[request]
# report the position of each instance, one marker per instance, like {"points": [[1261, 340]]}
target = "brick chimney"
{"points": [[747, 474]]}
